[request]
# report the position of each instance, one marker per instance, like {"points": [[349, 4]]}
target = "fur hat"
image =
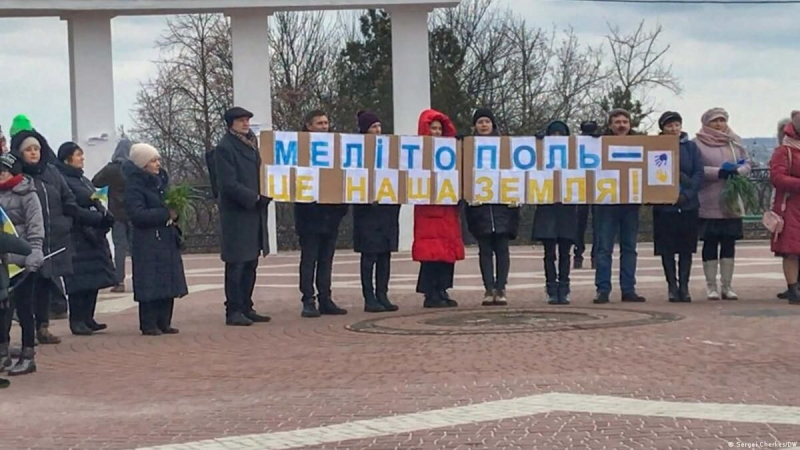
{"points": [[142, 154]]}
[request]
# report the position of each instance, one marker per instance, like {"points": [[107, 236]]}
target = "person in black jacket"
{"points": [[59, 209], [158, 277], [317, 226], [91, 261], [376, 233], [242, 214], [556, 227], [111, 176], [493, 226], [675, 227]]}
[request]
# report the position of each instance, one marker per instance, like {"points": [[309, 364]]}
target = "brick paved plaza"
{"points": [[704, 375]]}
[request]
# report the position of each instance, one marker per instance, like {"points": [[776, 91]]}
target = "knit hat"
{"points": [[557, 126], [66, 151], [236, 113], [713, 114], [20, 123], [142, 154], [667, 118], [365, 120], [10, 163], [589, 127], [618, 112], [29, 141], [484, 112]]}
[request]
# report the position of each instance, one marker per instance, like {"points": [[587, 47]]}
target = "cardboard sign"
{"points": [[422, 170]]}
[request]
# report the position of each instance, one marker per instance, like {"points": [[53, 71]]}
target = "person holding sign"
{"points": [[675, 226], [376, 234], [317, 226], [613, 220], [22, 209], [93, 268], [242, 215], [493, 226], [437, 231], [556, 226], [724, 158]]}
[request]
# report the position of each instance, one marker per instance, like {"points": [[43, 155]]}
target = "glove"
{"points": [[34, 261], [725, 174], [263, 201], [729, 166], [108, 220]]}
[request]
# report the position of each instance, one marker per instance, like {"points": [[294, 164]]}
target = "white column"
{"points": [[252, 82], [411, 83], [92, 87]]}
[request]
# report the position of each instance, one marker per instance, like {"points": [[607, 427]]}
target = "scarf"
{"points": [[249, 139], [790, 137], [714, 138], [11, 183]]}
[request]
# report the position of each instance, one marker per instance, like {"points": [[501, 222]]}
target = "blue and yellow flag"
{"points": [[8, 228], [102, 195]]}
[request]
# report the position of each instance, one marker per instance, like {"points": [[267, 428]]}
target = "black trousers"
{"points": [[557, 280], [316, 264], [722, 247], [379, 265], [156, 314], [240, 280], [435, 277], [23, 300], [82, 306], [583, 222], [493, 253]]}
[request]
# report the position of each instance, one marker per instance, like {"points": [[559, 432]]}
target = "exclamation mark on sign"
{"points": [[635, 186]]}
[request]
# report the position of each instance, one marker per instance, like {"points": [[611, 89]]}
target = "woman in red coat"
{"points": [[437, 231], [784, 170]]}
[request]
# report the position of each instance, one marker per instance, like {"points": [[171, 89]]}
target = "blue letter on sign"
{"points": [[284, 156], [523, 162], [451, 158], [319, 149], [587, 160], [359, 150], [493, 161], [411, 148], [562, 150], [379, 154]]}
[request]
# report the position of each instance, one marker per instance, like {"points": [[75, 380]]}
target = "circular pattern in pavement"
{"points": [[497, 321]]}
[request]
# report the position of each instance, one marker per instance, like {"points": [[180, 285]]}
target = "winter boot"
{"points": [[329, 308], [563, 295], [684, 274], [726, 277], [710, 271], [80, 329], [668, 263], [447, 300], [433, 300], [309, 308], [44, 336], [5, 358], [794, 294], [25, 364], [371, 304], [383, 299]]}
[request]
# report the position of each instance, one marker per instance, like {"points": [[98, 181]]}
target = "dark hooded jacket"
{"points": [[59, 208], [93, 268], [111, 176], [691, 178], [156, 253], [486, 220]]}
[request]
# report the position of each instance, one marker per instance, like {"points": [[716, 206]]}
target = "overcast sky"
{"points": [[738, 57]]}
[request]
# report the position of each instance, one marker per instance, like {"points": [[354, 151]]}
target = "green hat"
{"points": [[20, 123]]}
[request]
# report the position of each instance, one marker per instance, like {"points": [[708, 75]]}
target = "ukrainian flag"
{"points": [[8, 228], [102, 195]]}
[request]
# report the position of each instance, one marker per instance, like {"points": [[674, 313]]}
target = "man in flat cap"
{"points": [[235, 168]]}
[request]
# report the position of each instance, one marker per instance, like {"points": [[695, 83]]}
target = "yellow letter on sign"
{"points": [[278, 183], [356, 182], [540, 187], [306, 185], [485, 186], [512, 187], [447, 187], [573, 187], [606, 187], [386, 186], [418, 187]]}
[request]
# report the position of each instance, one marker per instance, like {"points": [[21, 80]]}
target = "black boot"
{"points": [[371, 304], [238, 320], [256, 317], [309, 308], [668, 263], [433, 300], [794, 294], [4, 383], [80, 329], [447, 300], [90, 322], [327, 307], [551, 275], [5, 358], [685, 274], [25, 364], [383, 299]]}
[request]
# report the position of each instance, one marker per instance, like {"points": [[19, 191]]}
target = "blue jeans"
{"points": [[610, 221]]}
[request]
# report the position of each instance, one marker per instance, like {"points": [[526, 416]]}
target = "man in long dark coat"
{"points": [[235, 165]]}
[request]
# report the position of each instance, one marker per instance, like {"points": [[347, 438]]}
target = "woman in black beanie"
{"points": [[675, 226], [493, 226], [376, 233]]}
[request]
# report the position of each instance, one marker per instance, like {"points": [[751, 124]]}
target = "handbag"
{"points": [[773, 221]]}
